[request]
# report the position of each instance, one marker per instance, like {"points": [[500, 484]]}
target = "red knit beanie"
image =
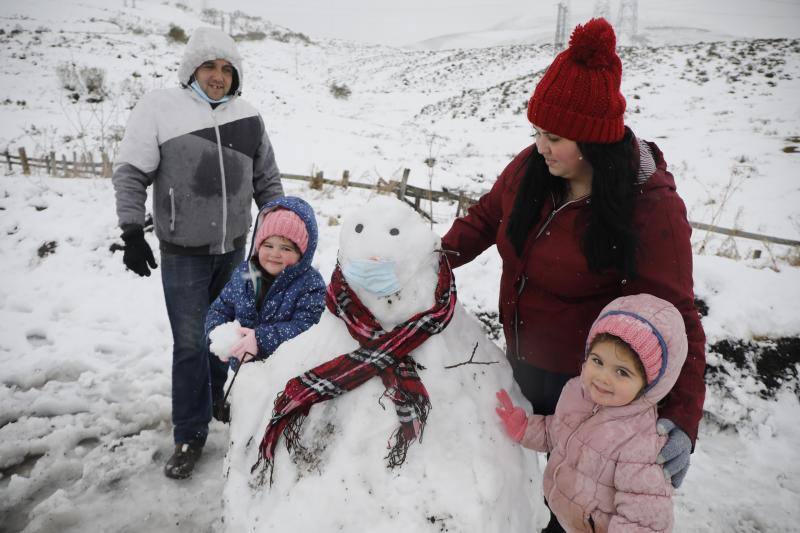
{"points": [[578, 98], [637, 334], [284, 223]]}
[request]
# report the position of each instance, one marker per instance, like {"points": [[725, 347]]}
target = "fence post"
{"points": [[23, 157], [401, 191], [74, 164], [346, 179], [52, 169], [64, 165], [417, 200], [316, 181], [106, 173], [8, 160], [90, 164]]}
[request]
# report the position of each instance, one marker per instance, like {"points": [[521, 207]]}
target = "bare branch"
{"points": [[471, 362]]}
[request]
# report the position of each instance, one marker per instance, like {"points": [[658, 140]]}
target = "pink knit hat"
{"points": [[284, 223], [639, 335]]}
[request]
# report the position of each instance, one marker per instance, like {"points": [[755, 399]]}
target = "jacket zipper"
{"points": [[516, 318], [222, 180], [524, 278], [171, 209], [566, 447]]}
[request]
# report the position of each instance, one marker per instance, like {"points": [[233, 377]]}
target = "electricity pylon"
{"points": [[561, 27], [627, 19]]}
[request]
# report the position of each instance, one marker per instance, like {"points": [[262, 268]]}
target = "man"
{"points": [[207, 154]]}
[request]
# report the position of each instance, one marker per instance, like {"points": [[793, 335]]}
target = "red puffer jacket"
{"points": [[548, 296]]}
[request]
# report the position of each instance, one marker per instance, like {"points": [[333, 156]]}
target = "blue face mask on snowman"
{"points": [[377, 277]]}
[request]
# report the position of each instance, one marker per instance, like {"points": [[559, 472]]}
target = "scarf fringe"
{"points": [[398, 451], [291, 425], [267, 468], [292, 433], [407, 432]]}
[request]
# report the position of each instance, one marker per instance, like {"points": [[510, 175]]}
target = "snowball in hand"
{"points": [[223, 337]]}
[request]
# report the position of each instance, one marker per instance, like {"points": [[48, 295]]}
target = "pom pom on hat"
{"points": [[284, 223], [594, 44], [578, 98]]}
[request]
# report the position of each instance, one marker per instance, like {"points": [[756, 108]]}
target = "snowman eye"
{"points": [[359, 228], [394, 231]]}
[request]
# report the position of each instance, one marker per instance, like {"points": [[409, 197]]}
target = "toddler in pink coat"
{"points": [[602, 474]]}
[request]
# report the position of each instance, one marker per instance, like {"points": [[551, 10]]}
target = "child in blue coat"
{"points": [[275, 294]]}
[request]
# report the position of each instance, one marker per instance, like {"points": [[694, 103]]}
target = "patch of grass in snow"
{"points": [[774, 363]]}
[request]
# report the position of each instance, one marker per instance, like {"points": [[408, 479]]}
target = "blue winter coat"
{"points": [[292, 304]]}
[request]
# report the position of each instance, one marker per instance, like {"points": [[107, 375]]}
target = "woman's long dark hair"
{"points": [[609, 240]]}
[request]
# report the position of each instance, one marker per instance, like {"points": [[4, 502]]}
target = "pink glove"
{"points": [[247, 347], [515, 421]]}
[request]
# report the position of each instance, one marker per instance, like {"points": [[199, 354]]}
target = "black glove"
{"points": [[221, 411], [138, 254]]}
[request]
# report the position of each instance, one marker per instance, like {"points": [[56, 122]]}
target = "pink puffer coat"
{"points": [[602, 473]]}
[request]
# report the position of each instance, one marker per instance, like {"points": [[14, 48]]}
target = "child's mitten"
{"points": [[675, 453], [514, 419]]}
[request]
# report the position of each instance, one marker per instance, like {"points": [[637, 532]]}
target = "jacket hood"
{"points": [[207, 44], [652, 172], [306, 213], [661, 319]]}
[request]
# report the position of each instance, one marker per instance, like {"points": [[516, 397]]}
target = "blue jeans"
{"points": [[191, 283]]}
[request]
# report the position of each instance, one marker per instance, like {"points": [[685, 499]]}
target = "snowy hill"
{"points": [[464, 108], [85, 345]]}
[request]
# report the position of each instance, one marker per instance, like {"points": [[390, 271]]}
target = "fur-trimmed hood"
{"points": [[207, 44]]}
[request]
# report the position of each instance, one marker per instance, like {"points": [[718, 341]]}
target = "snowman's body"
{"points": [[464, 474]]}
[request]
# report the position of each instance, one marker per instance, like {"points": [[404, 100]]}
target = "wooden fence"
{"points": [[85, 165]]}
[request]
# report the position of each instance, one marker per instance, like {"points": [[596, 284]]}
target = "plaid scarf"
{"points": [[381, 353]]}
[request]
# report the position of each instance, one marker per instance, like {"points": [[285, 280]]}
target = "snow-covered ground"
{"points": [[85, 345]]}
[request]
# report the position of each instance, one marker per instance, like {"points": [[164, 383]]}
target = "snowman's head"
{"points": [[389, 258]]}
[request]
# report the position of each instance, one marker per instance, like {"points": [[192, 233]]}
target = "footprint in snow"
{"points": [[37, 337]]}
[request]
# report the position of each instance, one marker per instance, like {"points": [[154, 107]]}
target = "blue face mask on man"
{"points": [[196, 87], [378, 277]]}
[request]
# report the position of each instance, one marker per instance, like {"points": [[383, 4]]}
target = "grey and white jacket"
{"points": [[205, 164]]}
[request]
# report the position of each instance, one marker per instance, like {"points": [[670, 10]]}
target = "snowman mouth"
{"points": [[391, 298]]}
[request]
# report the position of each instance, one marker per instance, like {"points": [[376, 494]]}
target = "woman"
{"points": [[585, 215]]}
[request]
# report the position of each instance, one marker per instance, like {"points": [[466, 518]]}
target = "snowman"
{"points": [[381, 417]]}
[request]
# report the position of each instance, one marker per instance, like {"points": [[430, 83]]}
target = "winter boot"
{"points": [[181, 464]]}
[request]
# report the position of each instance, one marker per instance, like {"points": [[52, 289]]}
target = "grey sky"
{"points": [[399, 22], [396, 22]]}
